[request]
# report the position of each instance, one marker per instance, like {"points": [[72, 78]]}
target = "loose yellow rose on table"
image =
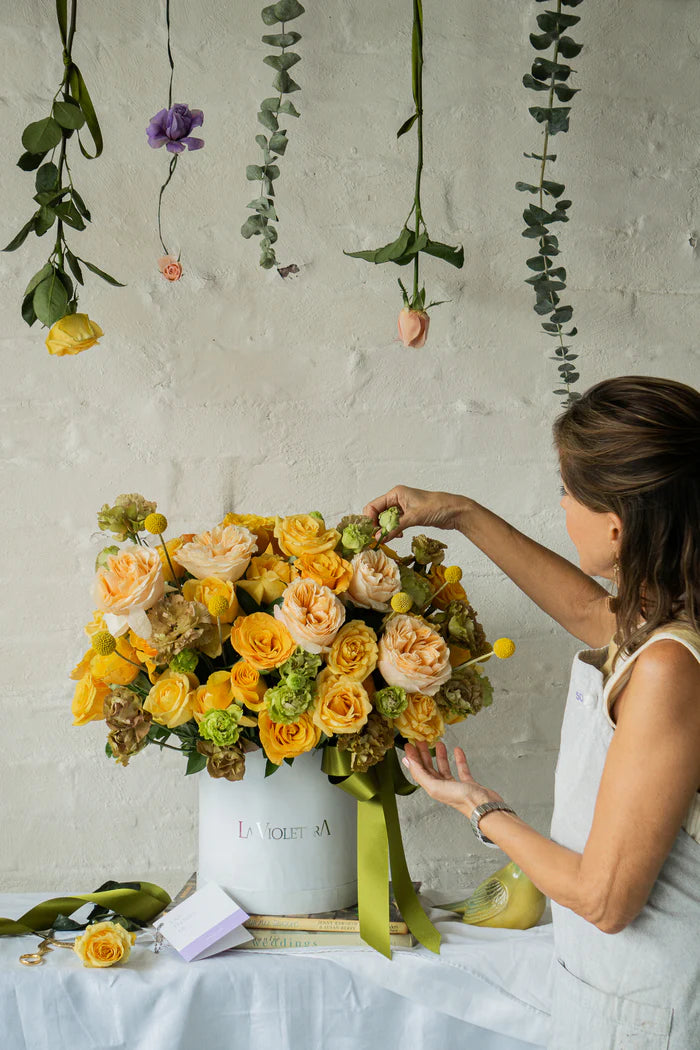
{"points": [[171, 700], [304, 534], [311, 613], [247, 686], [421, 720], [203, 591], [354, 651], [88, 700], [327, 569], [104, 944], [72, 334], [262, 641], [287, 740], [267, 577], [342, 704]]}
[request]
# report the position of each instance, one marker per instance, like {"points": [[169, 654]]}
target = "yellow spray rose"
{"points": [[72, 334], [342, 704], [302, 534], [203, 591], [217, 694], [262, 528], [280, 740], [452, 592], [104, 944], [171, 699], [247, 686], [327, 569], [88, 700], [421, 720], [173, 547], [113, 669], [267, 577], [262, 641], [354, 651]]}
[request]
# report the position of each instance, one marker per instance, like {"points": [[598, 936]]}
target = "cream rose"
{"points": [[131, 582], [413, 656], [375, 580], [312, 614], [224, 552]]}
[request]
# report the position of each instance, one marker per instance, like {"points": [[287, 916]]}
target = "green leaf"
{"points": [[69, 214], [283, 61], [19, 238], [564, 93], [81, 95], [68, 115], [252, 227], [368, 256], [268, 120], [80, 205], [282, 39], [289, 761], [554, 189], [535, 263], [543, 68], [552, 329], [535, 231], [45, 271], [46, 178], [45, 219], [568, 47], [264, 206], [284, 11], [284, 83], [394, 249], [278, 142], [74, 266], [30, 161], [407, 125], [288, 107], [563, 314], [253, 172], [271, 104], [50, 300], [533, 215], [195, 763], [67, 284], [51, 196], [544, 307], [541, 43], [534, 85], [526, 187], [100, 273], [28, 314], [261, 141], [452, 255], [538, 156], [42, 135], [271, 172], [415, 245], [556, 118], [270, 767]]}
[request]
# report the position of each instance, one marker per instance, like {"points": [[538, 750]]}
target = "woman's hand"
{"points": [[440, 510], [463, 794]]}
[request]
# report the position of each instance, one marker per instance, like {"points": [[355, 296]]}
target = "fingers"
{"points": [[375, 508], [443, 762], [463, 771]]}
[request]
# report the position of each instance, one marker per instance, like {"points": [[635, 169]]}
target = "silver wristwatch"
{"points": [[479, 812]]}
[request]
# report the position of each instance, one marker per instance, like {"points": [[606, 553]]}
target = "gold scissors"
{"points": [[46, 945]]}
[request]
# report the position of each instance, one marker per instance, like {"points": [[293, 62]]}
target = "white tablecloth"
{"points": [[487, 990]]}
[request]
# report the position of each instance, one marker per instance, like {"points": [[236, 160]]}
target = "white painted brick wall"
{"points": [[233, 389]]}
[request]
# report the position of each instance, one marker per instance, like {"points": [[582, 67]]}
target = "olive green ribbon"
{"points": [[378, 843], [141, 901]]}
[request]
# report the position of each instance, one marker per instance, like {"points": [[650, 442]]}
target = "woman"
{"points": [[622, 866]]}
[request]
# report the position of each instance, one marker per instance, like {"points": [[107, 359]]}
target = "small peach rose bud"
{"points": [[413, 327], [170, 268]]}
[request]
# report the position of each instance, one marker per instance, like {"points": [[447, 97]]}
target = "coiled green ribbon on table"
{"points": [[379, 842], [140, 901]]}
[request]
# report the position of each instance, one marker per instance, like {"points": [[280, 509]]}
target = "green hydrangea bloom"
{"points": [[127, 516], [391, 701], [221, 727], [185, 662], [287, 705]]}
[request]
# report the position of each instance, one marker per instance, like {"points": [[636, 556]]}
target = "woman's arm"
{"points": [[561, 589], [651, 774]]}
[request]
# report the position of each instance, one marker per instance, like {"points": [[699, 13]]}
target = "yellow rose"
{"points": [[88, 700], [280, 740], [247, 686], [422, 719], [146, 653], [341, 704], [262, 641], [217, 693], [203, 591], [453, 591], [267, 577], [104, 944], [354, 651], [112, 669], [328, 569], [173, 547], [302, 534], [262, 528], [171, 699], [97, 623], [72, 334]]}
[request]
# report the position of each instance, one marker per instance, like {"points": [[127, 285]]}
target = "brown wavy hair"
{"points": [[631, 445]]}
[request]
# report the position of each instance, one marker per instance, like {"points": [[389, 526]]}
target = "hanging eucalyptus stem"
{"points": [[550, 75]]}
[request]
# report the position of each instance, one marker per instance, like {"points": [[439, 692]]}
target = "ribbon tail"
{"points": [[373, 876], [143, 904]]}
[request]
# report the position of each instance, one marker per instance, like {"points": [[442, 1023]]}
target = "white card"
{"points": [[207, 922]]}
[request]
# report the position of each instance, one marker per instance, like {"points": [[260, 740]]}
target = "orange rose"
{"points": [[453, 591], [112, 669], [131, 583], [88, 700], [170, 268], [217, 693], [171, 699], [421, 720], [247, 686], [262, 641], [267, 577], [341, 704], [303, 534], [354, 651], [414, 656], [312, 614], [280, 740], [203, 591], [262, 528], [327, 569], [413, 327]]}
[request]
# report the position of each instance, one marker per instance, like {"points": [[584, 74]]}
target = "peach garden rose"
{"points": [[375, 580], [131, 583], [312, 614], [413, 656], [225, 552]]}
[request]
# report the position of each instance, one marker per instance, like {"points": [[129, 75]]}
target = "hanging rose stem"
{"points": [[417, 83]]}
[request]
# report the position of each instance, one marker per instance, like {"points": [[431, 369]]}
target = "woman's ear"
{"points": [[615, 527]]}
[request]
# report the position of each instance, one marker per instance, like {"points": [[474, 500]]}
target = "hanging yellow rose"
{"points": [[72, 334]]}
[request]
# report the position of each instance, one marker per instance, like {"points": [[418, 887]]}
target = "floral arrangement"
{"points": [[414, 320], [277, 633], [550, 76], [172, 128], [263, 206], [51, 296]]}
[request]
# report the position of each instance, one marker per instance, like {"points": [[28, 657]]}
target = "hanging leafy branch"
{"points": [[51, 293], [274, 147], [411, 242], [549, 76]]}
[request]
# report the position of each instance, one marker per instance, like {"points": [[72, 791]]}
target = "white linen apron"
{"points": [[638, 989]]}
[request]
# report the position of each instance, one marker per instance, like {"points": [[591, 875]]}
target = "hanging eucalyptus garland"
{"points": [[410, 243], [274, 147], [550, 76], [51, 294]]}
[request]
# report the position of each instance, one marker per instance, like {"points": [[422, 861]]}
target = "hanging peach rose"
{"points": [[170, 268], [413, 327]]}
